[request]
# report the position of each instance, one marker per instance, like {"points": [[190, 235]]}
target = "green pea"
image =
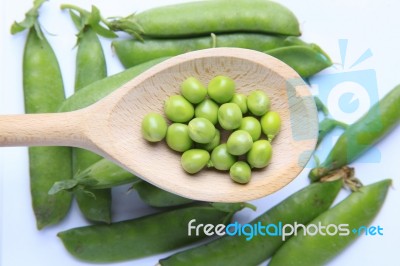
{"points": [[178, 109], [239, 142], [154, 127], [193, 90], [221, 159], [221, 89], [252, 126], [194, 160], [207, 109], [241, 100], [201, 130], [258, 102], [260, 154], [240, 172], [211, 145], [229, 116], [178, 137], [271, 124]]}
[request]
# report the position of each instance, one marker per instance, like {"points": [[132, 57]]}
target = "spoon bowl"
{"points": [[112, 126]]}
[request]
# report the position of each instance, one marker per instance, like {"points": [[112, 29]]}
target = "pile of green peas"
{"points": [[200, 114]]}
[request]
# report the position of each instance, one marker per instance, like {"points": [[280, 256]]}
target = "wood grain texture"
{"points": [[111, 127]]}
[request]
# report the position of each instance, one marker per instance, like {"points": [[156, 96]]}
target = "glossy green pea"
{"points": [[258, 102], [239, 142], [241, 100], [194, 160], [259, 154], [229, 116], [212, 144], [221, 89], [178, 137], [154, 127], [207, 109], [178, 109], [201, 130], [252, 126], [221, 159], [193, 90], [240, 172], [271, 124]]}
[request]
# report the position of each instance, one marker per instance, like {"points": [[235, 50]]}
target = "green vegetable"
{"points": [[358, 211], [229, 116], [240, 172], [193, 90], [212, 144], [221, 89], [258, 103], [271, 124], [156, 197], [260, 154], [326, 126], [205, 17], [144, 236], [194, 160], [154, 127], [178, 137], [201, 130], [305, 60], [221, 159], [207, 109], [363, 134], [43, 93], [90, 67], [252, 126], [239, 142], [178, 109], [241, 100], [301, 207]]}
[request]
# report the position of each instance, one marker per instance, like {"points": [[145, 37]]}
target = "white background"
{"points": [[365, 24]]}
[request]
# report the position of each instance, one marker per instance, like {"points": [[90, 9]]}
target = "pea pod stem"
{"points": [[362, 135], [144, 236], [326, 126], [356, 211]]}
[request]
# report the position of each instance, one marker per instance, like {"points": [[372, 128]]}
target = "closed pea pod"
{"points": [[301, 207], [204, 17], [90, 67], [44, 92], [357, 210], [360, 136], [136, 238]]}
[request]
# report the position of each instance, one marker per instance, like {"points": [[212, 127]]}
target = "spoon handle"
{"points": [[59, 129]]}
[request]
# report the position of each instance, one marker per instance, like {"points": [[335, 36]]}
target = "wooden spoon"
{"points": [[112, 126]]}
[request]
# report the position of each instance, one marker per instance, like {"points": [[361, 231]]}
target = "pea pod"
{"points": [[361, 135], [132, 52], [90, 67], [144, 236], [156, 197], [326, 126], [301, 207], [205, 17], [357, 211], [44, 92]]}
